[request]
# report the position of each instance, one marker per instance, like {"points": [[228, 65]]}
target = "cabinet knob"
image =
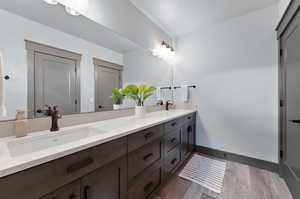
{"points": [[149, 135]]}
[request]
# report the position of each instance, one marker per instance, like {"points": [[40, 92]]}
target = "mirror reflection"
{"points": [[70, 61]]}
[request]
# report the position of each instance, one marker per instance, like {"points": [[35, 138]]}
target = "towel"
{"points": [[2, 89], [185, 93], [158, 94]]}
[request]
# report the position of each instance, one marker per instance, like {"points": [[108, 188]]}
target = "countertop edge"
{"points": [[10, 170]]}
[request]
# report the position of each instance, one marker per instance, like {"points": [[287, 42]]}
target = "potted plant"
{"points": [[139, 95], [117, 97]]}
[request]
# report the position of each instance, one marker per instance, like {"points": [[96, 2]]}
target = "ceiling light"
{"points": [[51, 2], [164, 51], [72, 11]]}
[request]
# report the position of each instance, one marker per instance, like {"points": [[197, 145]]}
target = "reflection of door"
{"points": [[291, 111], [55, 83], [107, 79]]}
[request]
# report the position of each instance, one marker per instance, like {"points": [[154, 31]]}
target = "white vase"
{"points": [[140, 111], [117, 106]]}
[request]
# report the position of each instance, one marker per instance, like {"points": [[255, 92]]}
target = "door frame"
{"points": [[285, 30], [32, 48], [105, 64]]}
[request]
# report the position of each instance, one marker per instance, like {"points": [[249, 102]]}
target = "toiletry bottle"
{"points": [[21, 124]]}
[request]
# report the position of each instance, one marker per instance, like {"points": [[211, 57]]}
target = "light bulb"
{"points": [[51, 2], [72, 11]]}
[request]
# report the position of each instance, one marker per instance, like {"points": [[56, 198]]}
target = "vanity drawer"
{"points": [[139, 139], [174, 124], [142, 158], [43, 179], [189, 118], [172, 139], [172, 159], [147, 182]]}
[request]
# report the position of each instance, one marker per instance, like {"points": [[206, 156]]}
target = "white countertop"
{"points": [[114, 128]]}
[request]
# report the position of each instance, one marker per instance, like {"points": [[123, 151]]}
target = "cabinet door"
{"points": [[187, 140], [184, 143], [71, 191], [109, 182], [191, 137]]}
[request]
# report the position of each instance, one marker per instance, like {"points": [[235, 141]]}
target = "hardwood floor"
{"points": [[240, 182]]}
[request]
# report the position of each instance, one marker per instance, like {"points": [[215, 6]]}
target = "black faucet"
{"points": [[168, 103], [53, 113], [54, 119]]}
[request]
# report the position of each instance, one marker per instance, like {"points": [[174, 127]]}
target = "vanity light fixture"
{"points": [[164, 51], [72, 11], [68, 9], [51, 2]]}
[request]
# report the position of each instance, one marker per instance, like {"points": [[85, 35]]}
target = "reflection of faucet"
{"points": [[168, 103], [160, 103]]}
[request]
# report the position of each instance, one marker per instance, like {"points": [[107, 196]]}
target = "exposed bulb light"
{"points": [[164, 51], [51, 2], [72, 11]]}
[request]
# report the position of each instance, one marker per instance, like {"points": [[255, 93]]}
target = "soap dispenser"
{"points": [[21, 124]]}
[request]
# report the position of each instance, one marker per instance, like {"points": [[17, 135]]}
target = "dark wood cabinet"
{"points": [[188, 139], [147, 182], [108, 182], [70, 191], [144, 157], [131, 167]]}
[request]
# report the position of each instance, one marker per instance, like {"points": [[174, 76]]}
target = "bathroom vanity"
{"points": [[131, 159]]}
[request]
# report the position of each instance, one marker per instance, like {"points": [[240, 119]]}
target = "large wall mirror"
{"points": [[50, 57]]}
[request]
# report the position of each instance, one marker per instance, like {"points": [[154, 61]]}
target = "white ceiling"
{"points": [[57, 18], [179, 17]]}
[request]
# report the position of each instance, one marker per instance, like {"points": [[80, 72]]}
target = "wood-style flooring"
{"points": [[240, 182]]}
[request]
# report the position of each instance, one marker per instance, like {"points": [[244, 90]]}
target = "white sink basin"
{"points": [[27, 145]]}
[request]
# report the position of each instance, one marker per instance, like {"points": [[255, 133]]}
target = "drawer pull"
{"points": [[86, 192], [148, 187], [79, 165], [148, 135], [148, 156], [173, 161], [174, 124], [173, 140]]}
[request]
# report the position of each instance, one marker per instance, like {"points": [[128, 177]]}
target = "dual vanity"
{"points": [[113, 159]]}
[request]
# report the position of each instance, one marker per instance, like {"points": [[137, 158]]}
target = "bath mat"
{"points": [[206, 172]]}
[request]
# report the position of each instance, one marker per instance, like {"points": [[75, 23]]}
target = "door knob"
{"points": [[100, 107], [295, 121]]}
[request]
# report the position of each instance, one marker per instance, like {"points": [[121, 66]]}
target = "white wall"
{"points": [[234, 64], [140, 66], [124, 18], [15, 29], [283, 4]]}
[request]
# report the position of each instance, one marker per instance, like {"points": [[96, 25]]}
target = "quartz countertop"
{"points": [[114, 129]]}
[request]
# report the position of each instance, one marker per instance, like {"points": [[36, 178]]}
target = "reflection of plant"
{"points": [[118, 95], [139, 94]]}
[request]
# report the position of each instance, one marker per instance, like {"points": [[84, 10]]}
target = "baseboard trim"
{"points": [[262, 164]]}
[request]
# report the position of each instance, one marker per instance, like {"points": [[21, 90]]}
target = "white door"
{"points": [[106, 79], [55, 83]]}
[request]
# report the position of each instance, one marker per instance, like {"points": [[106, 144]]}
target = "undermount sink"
{"points": [[27, 145]]}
